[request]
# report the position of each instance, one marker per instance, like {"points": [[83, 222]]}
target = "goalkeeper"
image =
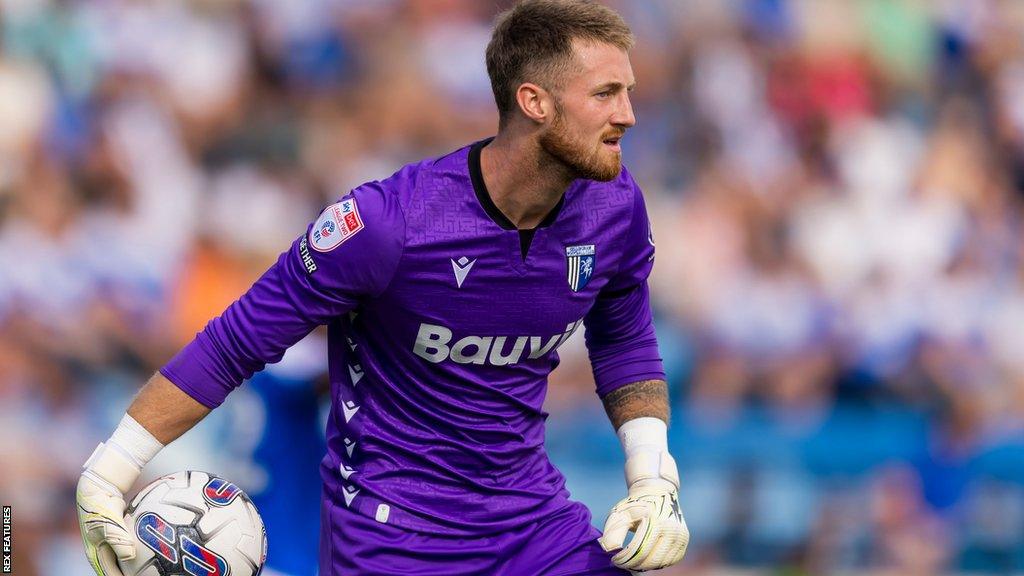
{"points": [[447, 290]]}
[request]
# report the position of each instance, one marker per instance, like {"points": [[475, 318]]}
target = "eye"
{"points": [[604, 94]]}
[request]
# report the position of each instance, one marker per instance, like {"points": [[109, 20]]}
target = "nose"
{"points": [[624, 112]]}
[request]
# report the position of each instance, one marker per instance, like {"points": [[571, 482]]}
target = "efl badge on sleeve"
{"points": [[581, 265], [337, 223]]}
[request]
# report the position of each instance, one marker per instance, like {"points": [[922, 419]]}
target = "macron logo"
{"points": [[434, 344], [462, 268]]}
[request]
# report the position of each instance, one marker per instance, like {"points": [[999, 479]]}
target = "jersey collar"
{"points": [[484, 197]]}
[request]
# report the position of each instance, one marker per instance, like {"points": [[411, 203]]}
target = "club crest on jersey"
{"points": [[581, 261], [336, 224]]}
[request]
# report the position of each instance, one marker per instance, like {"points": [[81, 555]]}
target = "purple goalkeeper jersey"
{"points": [[441, 338]]}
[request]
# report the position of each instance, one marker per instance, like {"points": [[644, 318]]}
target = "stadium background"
{"points": [[835, 188]]}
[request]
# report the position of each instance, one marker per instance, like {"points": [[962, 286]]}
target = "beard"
{"points": [[591, 163]]}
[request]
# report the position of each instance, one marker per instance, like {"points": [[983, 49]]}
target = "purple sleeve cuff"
{"points": [[194, 370], [629, 373]]}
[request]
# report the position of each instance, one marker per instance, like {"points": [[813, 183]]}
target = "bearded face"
{"points": [[592, 157]]}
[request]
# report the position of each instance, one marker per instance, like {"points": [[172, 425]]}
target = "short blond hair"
{"points": [[533, 41]]}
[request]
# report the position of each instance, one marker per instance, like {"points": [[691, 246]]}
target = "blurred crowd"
{"points": [[836, 195]]}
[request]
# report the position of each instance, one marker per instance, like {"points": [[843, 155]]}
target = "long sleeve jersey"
{"points": [[444, 323]]}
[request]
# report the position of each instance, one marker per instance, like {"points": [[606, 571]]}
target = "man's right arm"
{"points": [[349, 253]]}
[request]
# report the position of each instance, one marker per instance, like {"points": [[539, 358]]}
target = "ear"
{"points": [[535, 102]]}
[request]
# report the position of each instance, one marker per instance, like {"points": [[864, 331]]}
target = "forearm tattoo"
{"points": [[647, 398]]}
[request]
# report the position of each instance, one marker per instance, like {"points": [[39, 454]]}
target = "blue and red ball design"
{"points": [[163, 538], [220, 492]]}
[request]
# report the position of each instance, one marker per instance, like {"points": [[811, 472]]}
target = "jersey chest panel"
{"points": [[450, 291]]}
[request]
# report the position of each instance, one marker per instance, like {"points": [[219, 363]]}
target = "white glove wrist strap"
{"points": [[139, 444], [645, 434], [645, 442], [120, 459]]}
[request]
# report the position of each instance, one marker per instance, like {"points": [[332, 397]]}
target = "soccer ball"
{"points": [[194, 524]]}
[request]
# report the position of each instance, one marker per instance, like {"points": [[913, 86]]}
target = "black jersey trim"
{"points": [[480, 189], [525, 239]]}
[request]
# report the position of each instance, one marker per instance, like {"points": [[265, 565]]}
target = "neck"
{"points": [[524, 182]]}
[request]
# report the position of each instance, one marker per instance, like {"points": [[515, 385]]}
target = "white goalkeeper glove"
{"points": [[651, 508], [109, 473]]}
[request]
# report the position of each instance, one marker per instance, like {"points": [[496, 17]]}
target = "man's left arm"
{"points": [[630, 380]]}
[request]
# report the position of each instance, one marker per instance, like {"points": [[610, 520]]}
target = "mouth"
{"points": [[613, 143]]}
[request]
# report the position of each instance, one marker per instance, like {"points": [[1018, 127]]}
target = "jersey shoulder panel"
{"points": [[410, 183], [604, 205], [438, 200]]}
